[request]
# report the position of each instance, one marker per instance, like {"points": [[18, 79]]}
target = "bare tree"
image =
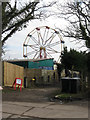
{"points": [[77, 14], [16, 18]]}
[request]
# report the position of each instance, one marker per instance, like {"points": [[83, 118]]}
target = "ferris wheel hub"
{"points": [[42, 48]]}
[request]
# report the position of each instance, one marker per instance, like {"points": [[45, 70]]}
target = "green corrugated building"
{"points": [[37, 64]]}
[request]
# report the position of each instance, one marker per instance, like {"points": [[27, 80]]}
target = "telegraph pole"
{"points": [[1, 40], [0, 59], [0, 43]]}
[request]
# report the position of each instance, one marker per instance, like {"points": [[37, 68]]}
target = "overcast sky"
{"points": [[14, 45]]}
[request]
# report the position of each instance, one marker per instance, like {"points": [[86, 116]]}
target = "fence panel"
{"points": [[11, 72]]}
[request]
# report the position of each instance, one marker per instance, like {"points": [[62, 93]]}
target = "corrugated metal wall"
{"points": [[42, 64]]}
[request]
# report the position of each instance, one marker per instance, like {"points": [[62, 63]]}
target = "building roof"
{"points": [[17, 60]]}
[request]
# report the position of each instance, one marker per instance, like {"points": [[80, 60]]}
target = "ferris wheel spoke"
{"points": [[33, 46], [49, 54], [38, 56], [35, 55], [53, 44], [29, 35], [33, 39], [33, 52], [40, 37], [50, 40], [45, 36], [53, 50]]}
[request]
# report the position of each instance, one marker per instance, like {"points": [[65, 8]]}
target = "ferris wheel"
{"points": [[43, 42]]}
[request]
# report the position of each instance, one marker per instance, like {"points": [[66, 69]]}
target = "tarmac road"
{"points": [[29, 95], [33, 104]]}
